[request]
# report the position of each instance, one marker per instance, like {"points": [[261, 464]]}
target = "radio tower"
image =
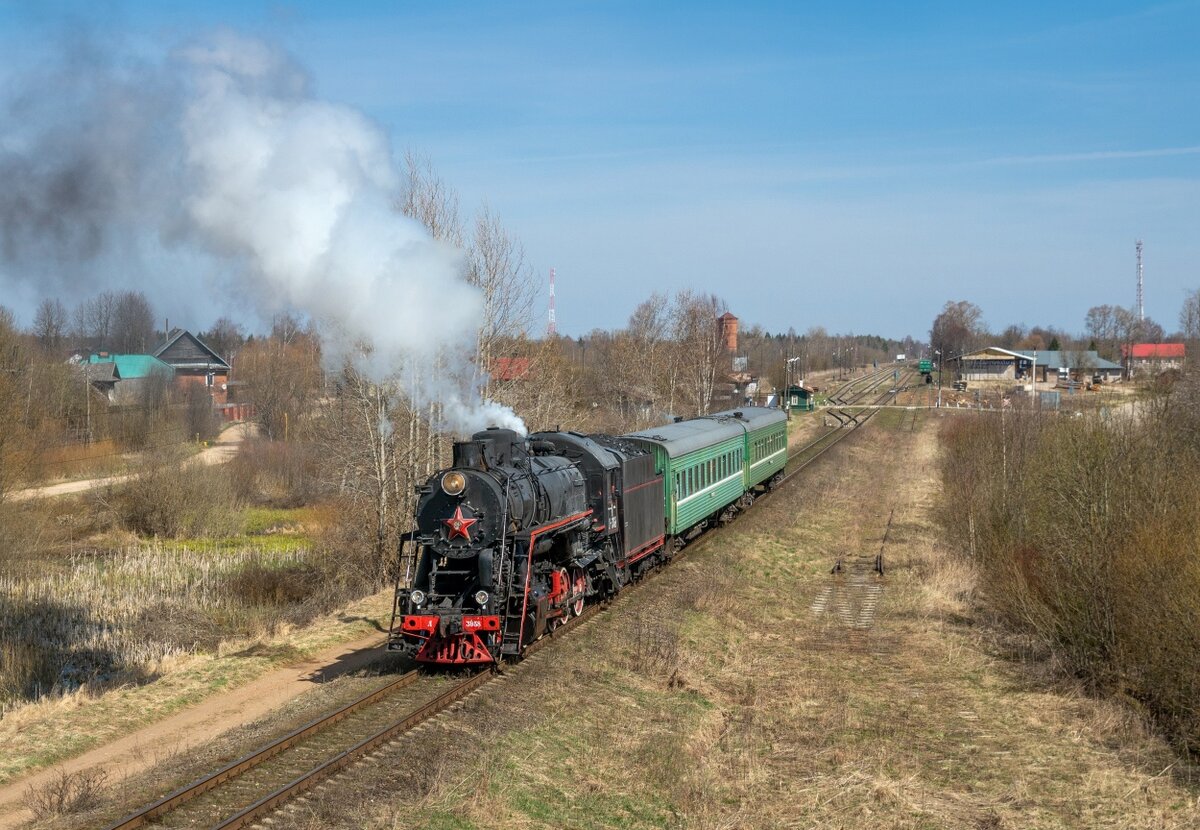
{"points": [[552, 327], [1141, 308]]}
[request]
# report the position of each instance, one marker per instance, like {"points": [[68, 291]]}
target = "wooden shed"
{"points": [[801, 398]]}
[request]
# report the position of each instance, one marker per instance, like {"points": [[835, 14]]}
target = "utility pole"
{"points": [[789, 375], [938, 352], [552, 324], [1141, 308]]}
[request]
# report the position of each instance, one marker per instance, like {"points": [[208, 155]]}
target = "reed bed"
{"points": [[100, 617]]}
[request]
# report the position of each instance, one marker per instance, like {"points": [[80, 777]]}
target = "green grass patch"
{"points": [[274, 520]]}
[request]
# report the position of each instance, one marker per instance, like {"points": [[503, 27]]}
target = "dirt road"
{"points": [[222, 450]]}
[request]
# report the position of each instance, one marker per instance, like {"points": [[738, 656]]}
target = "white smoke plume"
{"points": [[229, 152]]}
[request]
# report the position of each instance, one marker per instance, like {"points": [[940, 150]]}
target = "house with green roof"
{"points": [[130, 373]]}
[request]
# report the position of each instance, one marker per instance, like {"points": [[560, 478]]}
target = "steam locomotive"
{"points": [[520, 534]]}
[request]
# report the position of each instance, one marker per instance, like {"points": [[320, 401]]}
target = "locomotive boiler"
{"points": [[518, 535]]}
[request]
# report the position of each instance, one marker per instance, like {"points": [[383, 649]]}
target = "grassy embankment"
{"points": [[719, 698]]}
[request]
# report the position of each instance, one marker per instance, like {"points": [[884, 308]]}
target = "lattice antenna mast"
{"points": [[552, 325], [1141, 307]]}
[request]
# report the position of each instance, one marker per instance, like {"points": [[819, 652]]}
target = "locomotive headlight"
{"points": [[481, 597], [417, 597], [453, 483]]}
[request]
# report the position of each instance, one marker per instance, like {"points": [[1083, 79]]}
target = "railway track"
{"points": [[252, 787], [248, 789], [846, 416]]}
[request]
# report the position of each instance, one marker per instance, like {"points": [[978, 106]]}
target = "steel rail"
{"points": [[314, 776], [248, 762], [272, 801], [838, 433]]}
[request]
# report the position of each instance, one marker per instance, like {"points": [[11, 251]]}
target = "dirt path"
{"points": [[221, 451], [196, 725]]}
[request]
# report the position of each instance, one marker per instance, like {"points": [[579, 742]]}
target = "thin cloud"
{"points": [[1097, 155]]}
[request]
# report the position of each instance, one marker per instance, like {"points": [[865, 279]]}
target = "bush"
{"points": [[276, 473], [172, 500], [1086, 535], [200, 419], [67, 793], [265, 584]]}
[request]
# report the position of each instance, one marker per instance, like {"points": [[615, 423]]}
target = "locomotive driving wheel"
{"points": [[578, 589]]}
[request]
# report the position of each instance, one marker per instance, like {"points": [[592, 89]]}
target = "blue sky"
{"points": [[849, 165]]}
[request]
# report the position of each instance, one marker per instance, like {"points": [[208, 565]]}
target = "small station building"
{"points": [[801, 398]]}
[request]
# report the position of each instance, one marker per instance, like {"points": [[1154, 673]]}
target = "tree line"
{"points": [[1108, 330]]}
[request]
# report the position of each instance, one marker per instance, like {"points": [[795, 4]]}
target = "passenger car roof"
{"points": [[688, 436], [754, 417]]}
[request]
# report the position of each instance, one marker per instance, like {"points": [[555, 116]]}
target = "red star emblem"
{"points": [[460, 525]]}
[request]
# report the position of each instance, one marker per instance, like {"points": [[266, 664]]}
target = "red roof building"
{"points": [[510, 368], [1152, 358], [1157, 351]]}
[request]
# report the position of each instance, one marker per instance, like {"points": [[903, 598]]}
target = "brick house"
{"points": [[195, 363]]}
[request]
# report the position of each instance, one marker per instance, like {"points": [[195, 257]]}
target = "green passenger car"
{"points": [[766, 441], [708, 463]]}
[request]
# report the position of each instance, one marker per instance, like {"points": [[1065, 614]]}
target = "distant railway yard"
{"points": [[820, 661]]}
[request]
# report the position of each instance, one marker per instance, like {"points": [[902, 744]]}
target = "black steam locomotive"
{"points": [[521, 533], [518, 535]]}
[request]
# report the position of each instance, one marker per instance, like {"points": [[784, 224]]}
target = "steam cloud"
{"points": [[224, 149]]}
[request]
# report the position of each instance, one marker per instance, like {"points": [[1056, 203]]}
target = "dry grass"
{"points": [[80, 460], [38, 734], [1086, 531], [67, 793], [115, 616], [719, 699]]}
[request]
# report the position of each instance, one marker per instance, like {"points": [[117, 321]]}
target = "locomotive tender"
{"points": [[520, 534]]}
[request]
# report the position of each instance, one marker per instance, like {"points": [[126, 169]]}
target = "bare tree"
{"points": [[367, 464], [225, 337], [700, 346], [429, 200], [132, 323], [50, 323], [94, 319], [12, 368], [285, 328], [642, 362], [957, 329], [281, 378], [1189, 318], [499, 271]]}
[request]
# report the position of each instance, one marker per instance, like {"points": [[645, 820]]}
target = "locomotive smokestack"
{"points": [[468, 454]]}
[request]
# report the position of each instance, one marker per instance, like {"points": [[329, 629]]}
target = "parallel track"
{"points": [[285, 768], [846, 396]]}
